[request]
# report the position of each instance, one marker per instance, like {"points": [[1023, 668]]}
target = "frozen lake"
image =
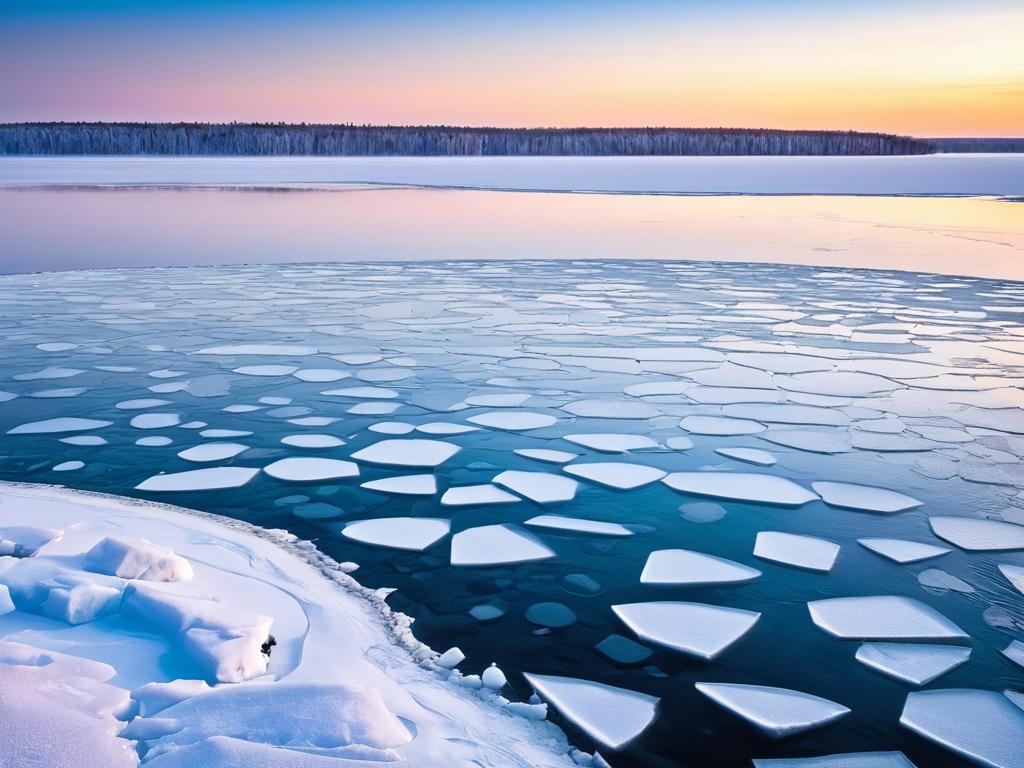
{"points": [[517, 440]]}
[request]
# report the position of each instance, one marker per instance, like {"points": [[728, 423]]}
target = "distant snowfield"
{"points": [[944, 174], [112, 660]]}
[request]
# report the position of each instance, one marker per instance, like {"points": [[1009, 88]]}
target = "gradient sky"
{"points": [[922, 67]]}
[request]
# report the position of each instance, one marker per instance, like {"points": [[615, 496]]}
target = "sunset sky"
{"points": [[922, 67]]}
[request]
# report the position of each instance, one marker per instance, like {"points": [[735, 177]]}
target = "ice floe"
{"points": [[913, 663], [776, 712], [579, 525], [684, 567], [609, 715], [611, 442], [268, 350], [212, 478], [720, 426], [410, 533], [513, 420], [549, 455], [266, 370], [700, 630], [611, 409], [1014, 574], [978, 534], [63, 424], [902, 551], [551, 615], [845, 760], [472, 495], [302, 469], [864, 498], [406, 485], [749, 456], [807, 552], [541, 487], [882, 617], [445, 428], [984, 727], [622, 650], [320, 375], [212, 451], [739, 486], [312, 441], [616, 474], [153, 441], [68, 466], [155, 420], [407, 453], [496, 545]]}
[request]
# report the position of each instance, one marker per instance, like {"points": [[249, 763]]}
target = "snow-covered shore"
{"points": [[108, 647], [954, 174]]}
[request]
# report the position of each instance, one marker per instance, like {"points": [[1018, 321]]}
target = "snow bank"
{"points": [[345, 681], [137, 559]]}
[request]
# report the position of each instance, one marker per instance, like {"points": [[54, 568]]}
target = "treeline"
{"points": [[366, 140], [978, 145]]}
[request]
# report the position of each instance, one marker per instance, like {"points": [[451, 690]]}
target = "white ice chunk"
{"points": [[155, 420], [882, 617], [445, 428], [212, 451], [546, 454], [496, 545], [407, 485], [748, 455], [302, 469], [26, 540], [131, 558], [364, 393], [808, 552], [84, 440], [410, 533], [266, 370], [154, 441], [684, 567], [978, 534], [154, 697], [212, 478], [740, 486], [864, 498], [471, 495], [138, 405], [721, 426], [513, 420], [611, 409], [270, 350], [610, 442], [1014, 574], [68, 466], [609, 715], [65, 424], [984, 727], [912, 663], [408, 453], [776, 712], [503, 400], [580, 525], [902, 551], [1015, 652], [391, 428], [320, 375], [451, 658], [616, 474], [541, 487], [704, 631], [74, 597], [312, 441]]}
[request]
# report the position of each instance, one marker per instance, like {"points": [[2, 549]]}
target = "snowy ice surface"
{"points": [[513, 420], [212, 451], [612, 716], [704, 631], [882, 617], [974, 533], [580, 525], [684, 567], [1013, 573], [616, 474], [345, 683], [776, 712], [864, 498], [212, 478], [64, 424], [130, 558], [407, 453], [411, 533], [611, 442], [496, 545], [903, 551], [984, 727], [748, 455], [546, 454], [913, 663], [846, 760], [541, 487], [302, 469], [471, 495], [406, 485], [764, 489], [808, 552]]}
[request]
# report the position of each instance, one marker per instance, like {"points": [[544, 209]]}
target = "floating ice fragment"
{"points": [[68, 466], [300, 469], [141, 404], [212, 451], [266, 370], [748, 455], [984, 727], [282, 350], [552, 615], [409, 533], [611, 716], [513, 420], [739, 486], [978, 534], [1015, 652], [451, 658], [578, 524], [503, 400], [611, 409], [65, 424], [364, 393], [937, 579], [486, 612], [546, 454], [154, 441], [612, 442], [47, 373], [541, 487], [622, 650], [882, 617], [407, 485], [702, 511], [846, 760], [56, 346], [312, 441], [391, 428], [912, 663], [496, 545], [864, 498], [155, 420], [720, 425], [776, 712], [445, 428], [313, 421], [700, 630], [680, 443], [684, 567], [320, 375], [1014, 574], [616, 474], [808, 552], [809, 440], [213, 478], [903, 551], [470, 495], [408, 453]]}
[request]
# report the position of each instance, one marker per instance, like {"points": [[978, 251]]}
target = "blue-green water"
{"points": [[919, 376]]}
